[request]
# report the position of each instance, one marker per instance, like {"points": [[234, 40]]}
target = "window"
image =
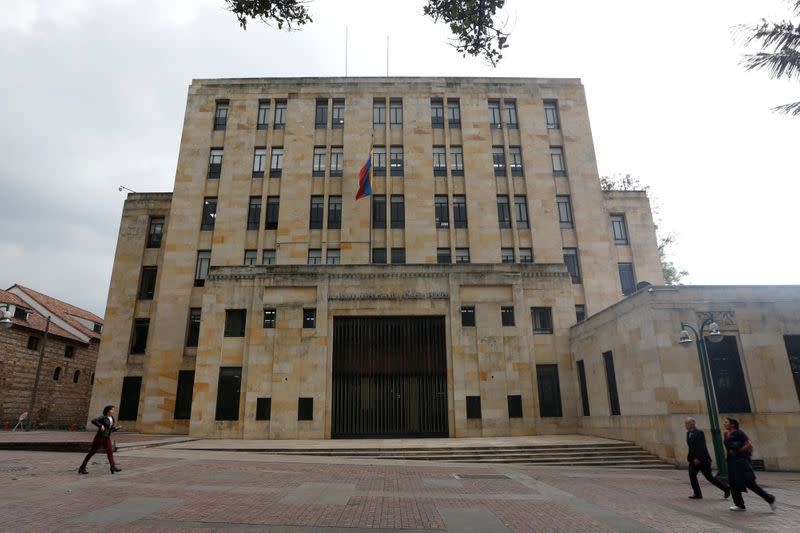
{"points": [[270, 317], [254, 212], [507, 255], [521, 207], [626, 278], [557, 159], [580, 313], [494, 114], [139, 337], [309, 318], [462, 255], [338, 114], [456, 161], [379, 256], [193, 331], [549, 390], [473, 406], [379, 211], [727, 376], [263, 115], [33, 342], [379, 113], [542, 320], [573, 266], [273, 205], [515, 155], [503, 211], [147, 285], [235, 322], [229, 389], [250, 257], [526, 255], [20, 314], [209, 213], [398, 212], [259, 162], [91, 381], [511, 113], [584, 389], [97, 328], [507, 315], [437, 113], [498, 161], [514, 406], [379, 161], [183, 395], [618, 229], [441, 211], [76, 376], [443, 256], [398, 256], [396, 162], [280, 115], [263, 408], [314, 256], [453, 113], [201, 270], [317, 212], [321, 115], [221, 115], [56, 373], [334, 212], [439, 161], [468, 316], [269, 258], [69, 351], [337, 161], [792, 343], [334, 256], [155, 232], [551, 114], [611, 381], [276, 163], [318, 166], [396, 112], [129, 400], [564, 211], [459, 211], [305, 409], [215, 163]]}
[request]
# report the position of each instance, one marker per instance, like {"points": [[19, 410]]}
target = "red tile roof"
{"points": [[64, 311], [35, 321]]}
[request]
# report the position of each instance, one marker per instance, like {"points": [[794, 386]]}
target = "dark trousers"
{"points": [[705, 469], [751, 485], [100, 442]]}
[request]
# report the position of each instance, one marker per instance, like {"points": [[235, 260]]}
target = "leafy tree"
{"points": [[472, 22], [626, 182], [780, 51]]}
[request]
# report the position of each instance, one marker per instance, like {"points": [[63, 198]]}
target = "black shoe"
{"points": [[82, 470], [114, 468], [695, 497], [727, 493]]}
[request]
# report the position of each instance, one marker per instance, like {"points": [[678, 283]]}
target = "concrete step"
{"points": [[439, 449]]}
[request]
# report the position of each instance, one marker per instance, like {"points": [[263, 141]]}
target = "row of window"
{"points": [[76, 376], [611, 384], [541, 318], [549, 396], [33, 344], [500, 113]]}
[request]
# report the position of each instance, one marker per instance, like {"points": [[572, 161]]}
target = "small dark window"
{"points": [[514, 406], [201, 270], [473, 406], [76, 376], [443, 256], [259, 161], [619, 229], [580, 313], [147, 285], [270, 317], [33, 342], [396, 160], [611, 382], [155, 232], [499, 161], [221, 115], [321, 115], [549, 390], [69, 351], [726, 373], [215, 163], [439, 161], [551, 114], [398, 212], [521, 209], [309, 318], [379, 112], [334, 212], [263, 115], [280, 115], [626, 278], [507, 315], [437, 113], [462, 255], [453, 113], [317, 212], [263, 408], [276, 162], [467, 316], [337, 119], [209, 213], [97, 328], [254, 212], [572, 263], [57, 373], [20, 314], [515, 160], [494, 114], [139, 340], [193, 333], [91, 381], [511, 113], [379, 256], [273, 205], [459, 211], [542, 320], [792, 343], [235, 321], [441, 211], [584, 389], [379, 211], [183, 395], [305, 408], [557, 161], [229, 392], [503, 212], [396, 112], [129, 400], [564, 211], [398, 256]]}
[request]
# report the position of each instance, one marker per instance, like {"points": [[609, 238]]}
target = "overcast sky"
{"points": [[93, 96]]}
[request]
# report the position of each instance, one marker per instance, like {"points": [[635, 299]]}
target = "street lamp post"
{"points": [[714, 335], [38, 372]]}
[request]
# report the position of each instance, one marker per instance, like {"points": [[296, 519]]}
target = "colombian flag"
{"points": [[365, 179]]}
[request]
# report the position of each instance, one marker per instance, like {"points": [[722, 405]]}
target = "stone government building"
{"points": [[261, 300]]}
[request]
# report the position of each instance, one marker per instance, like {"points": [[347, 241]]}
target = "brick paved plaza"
{"points": [[168, 489]]}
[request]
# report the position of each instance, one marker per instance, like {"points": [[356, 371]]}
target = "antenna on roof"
{"points": [[345, 51], [387, 56]]}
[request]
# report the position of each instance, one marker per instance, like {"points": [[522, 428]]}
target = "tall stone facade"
{"points": [[486, 214]]}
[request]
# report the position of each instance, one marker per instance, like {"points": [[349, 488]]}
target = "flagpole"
{"points": [[371, 166]]}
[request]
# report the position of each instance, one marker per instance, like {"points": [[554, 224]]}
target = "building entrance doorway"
{"points": [[389, 377]]}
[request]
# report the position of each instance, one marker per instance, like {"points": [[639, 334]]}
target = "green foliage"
{"points": [[281, 12], [672, 276], [622, 182]]}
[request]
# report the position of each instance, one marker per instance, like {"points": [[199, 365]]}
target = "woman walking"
{"points": [[740, 472], [102, 439]]}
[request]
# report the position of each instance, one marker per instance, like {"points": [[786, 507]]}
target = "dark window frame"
{"points": [[379, 211], [270, 320], [564, 209], [437, 113], [316, 211], [468, 316], [334, 212], [611, 383], [305, 408], [514, 406], [235, 323], [309, 318], [254, 213], [583, 388], [155, 232], [130, 395], [193, 327], [33, 342], [215, 159], [573, 265], [208, 216], [442, 254], [262, 117], [183, 395], [627, 278], [321, 115], [542, 320], [473, 404], [273, 211], [221, 115], [378, 256], [507, 316], [503, 211], [397, 211], [147, 283], [521, 211], [139, 334], [264, 408], [441, 211], [619, 229], [229, 393], [398, 256], [550, 405]]}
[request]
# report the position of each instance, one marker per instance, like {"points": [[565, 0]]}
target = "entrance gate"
{"points": [[389, 377]]}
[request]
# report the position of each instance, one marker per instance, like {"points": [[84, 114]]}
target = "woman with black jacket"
{"points": [[102, 439], [740, 472]]}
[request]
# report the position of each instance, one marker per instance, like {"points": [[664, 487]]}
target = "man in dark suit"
{"points": [[700, 460]]}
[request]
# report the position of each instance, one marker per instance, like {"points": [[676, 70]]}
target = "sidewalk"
{"points": [[77, 441]]}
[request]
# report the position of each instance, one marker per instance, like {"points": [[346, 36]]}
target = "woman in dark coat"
{"points": [[740, 472], [102, 439]]}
